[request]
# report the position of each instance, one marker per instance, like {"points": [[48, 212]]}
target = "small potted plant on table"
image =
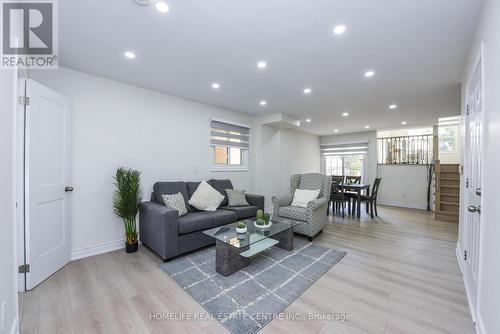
{"points": [[126, 201], [241, 229]]}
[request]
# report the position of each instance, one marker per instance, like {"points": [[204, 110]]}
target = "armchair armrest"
{"points": [[317, 203], [256, 200], [281, 200], [159, 228]]}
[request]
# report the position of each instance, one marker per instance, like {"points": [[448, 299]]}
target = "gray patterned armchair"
{"points": [[310, 220]]}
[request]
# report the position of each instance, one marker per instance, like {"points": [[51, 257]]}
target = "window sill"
{"points": [[229, 169]]}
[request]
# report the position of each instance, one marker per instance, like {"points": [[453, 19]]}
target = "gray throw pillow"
{"points": [[175, 201], [236, 197]]}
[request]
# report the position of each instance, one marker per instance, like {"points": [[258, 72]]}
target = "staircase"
{"points": [[446, 192]]}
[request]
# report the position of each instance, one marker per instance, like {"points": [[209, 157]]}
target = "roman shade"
{"points": [[229, 135], [344, 149]]}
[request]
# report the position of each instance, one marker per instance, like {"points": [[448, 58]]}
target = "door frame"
{"points": [[19, 180], [464, 199]]}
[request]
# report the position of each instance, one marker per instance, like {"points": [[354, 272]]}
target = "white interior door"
{"points": [[473, 182], [47, 174]]}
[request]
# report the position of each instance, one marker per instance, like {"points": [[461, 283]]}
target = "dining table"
{"points": [[358, 189]]}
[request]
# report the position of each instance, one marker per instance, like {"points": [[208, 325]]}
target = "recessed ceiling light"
{"points": [[393, 106], [369, 74], [345, 114], [261, 64], [307, 90], [403, 123], [336, 130], [263, 103], [161, 6], [308, 120], [339, 30], [129, 54], [215, 85], [367, 126]]}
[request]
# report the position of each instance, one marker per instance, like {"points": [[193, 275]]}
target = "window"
{"points": [[448, 139], [350, 165], [230, 144], [345, 159]]}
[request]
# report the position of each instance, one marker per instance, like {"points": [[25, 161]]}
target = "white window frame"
{"points": [[364, 172], [243, 167]]}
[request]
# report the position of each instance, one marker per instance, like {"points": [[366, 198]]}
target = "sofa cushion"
{"points": [[221, 186], [192, 186], [222, 217], [194, 221], [170, 188], [243, 212], [293, 212], [204, 220]]}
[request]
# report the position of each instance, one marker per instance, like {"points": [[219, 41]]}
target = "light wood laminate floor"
{"points": [[400, 275]]}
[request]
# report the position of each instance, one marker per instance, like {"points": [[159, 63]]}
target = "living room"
{"points": [[228, 127]]}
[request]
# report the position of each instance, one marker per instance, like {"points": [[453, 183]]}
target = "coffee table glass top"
{"points": [[227, 233]]}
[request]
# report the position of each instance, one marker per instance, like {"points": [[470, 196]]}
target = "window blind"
{"points": [[344, 149], [229, 135]]}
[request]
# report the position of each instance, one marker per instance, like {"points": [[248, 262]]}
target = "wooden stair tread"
{"points": [[446, 213], [449, 186], [450, 203]]}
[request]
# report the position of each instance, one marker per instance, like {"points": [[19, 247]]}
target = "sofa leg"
{"points": [[310, 238]]}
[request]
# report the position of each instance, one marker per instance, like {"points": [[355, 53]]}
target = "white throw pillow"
{"points": [[206, 198], [302, 197]]}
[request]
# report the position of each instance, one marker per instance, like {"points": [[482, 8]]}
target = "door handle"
{"points": [[68, 189], [473, 208], [478, 191]]}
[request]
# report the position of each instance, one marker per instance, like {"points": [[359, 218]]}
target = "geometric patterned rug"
{"points": [[247, 300]]}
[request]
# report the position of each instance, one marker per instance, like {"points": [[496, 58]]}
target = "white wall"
{"points": [[8, 272], [283, 153], [300, 153], [489, 271], [369, 136], [403, 186], [115, 124]]}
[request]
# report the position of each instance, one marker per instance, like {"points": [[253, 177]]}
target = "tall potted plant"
{"points": [[126, 201]]}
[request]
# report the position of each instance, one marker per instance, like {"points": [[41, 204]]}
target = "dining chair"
{"points": [[353, 179], [371, 199], [352, 195], [337, 197], [338, 178]]}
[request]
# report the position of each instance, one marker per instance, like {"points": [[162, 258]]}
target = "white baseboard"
{"points": [[97, 249], [14, 329], [404, 204]]}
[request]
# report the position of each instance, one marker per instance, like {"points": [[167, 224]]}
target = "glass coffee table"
{"points": [[234, 250]]}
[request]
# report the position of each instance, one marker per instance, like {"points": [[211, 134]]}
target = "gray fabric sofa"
{"points": [[163, 231]]}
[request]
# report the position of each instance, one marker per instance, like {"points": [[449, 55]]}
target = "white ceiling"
{"points": [[416, 47]]}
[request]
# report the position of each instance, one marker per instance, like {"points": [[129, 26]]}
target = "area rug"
{"points": [[247, 300]]}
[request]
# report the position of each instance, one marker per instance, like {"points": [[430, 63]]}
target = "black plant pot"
{"points": [[131, 248]]}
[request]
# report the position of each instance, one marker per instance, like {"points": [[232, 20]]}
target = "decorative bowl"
{"points": [[262, 227]]}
